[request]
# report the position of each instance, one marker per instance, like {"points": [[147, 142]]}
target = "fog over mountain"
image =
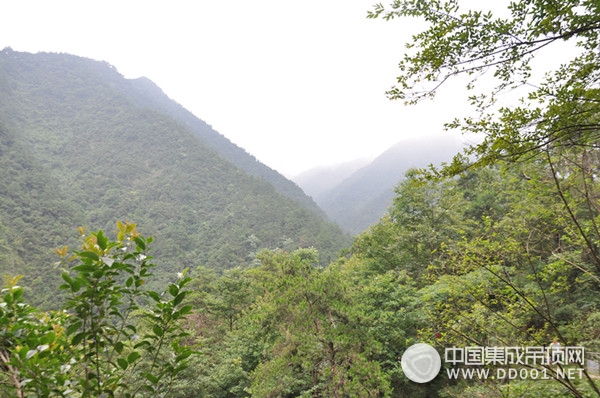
{"points": [[321, 179], [358, 199]]}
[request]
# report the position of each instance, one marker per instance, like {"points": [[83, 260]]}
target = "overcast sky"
{"points": [[295, 83]]}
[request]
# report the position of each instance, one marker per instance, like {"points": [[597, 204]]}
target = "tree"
{"points": [[560, 111], [318, 341], [500, 265], [550, 135], [35, 356], [112, 338]]}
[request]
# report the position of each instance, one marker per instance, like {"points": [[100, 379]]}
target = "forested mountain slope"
{"points": [[77, 149], [361, 199], [145, 93]]}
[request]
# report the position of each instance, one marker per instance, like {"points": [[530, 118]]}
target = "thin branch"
{"points": [[571, 214]]}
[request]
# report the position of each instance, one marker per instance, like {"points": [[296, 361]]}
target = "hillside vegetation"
{"points": [[488, 259], [77, 149], [145, 93]]}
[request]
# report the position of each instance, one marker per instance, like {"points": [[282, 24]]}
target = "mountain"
{"points": [[321, 179], [361, 199], [82, 145], [145, 93]]}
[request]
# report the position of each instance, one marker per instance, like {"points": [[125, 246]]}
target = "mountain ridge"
{"points": [[225, 147], [320, 179], [359, 200], [76, 150]]}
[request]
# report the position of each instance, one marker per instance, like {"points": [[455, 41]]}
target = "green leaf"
{"points": [[65, 286], [180, 368], [66, 278], [23, 353], [85, 268], [90, 255], [101, 240], [76, 286], [151, 378], [153, 295], [179, 298], [122, 363], [48, 338], [140, 242], [174, 290], [186, 309], [157, 330], [133, 356], [143, 343], [183, 356], [78, 338], [17, 294], [74, 327]]}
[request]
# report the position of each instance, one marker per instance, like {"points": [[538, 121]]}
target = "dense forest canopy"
{"points": [[498, 249], [80, 147]]}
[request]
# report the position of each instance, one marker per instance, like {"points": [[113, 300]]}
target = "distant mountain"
{"points": [[82, 145], [324, 178], [361, 199]]}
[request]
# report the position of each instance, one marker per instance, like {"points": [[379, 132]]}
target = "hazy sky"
{"points": [[295, 83]]}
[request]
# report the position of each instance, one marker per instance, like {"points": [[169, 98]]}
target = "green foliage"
{"points": [[489, 258], [496, 261], [113, 338], [529, 268], [502, 254], [318, 341], [34, 354], [297, 330], [560, 111], [79, 146], [146, 94]]}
